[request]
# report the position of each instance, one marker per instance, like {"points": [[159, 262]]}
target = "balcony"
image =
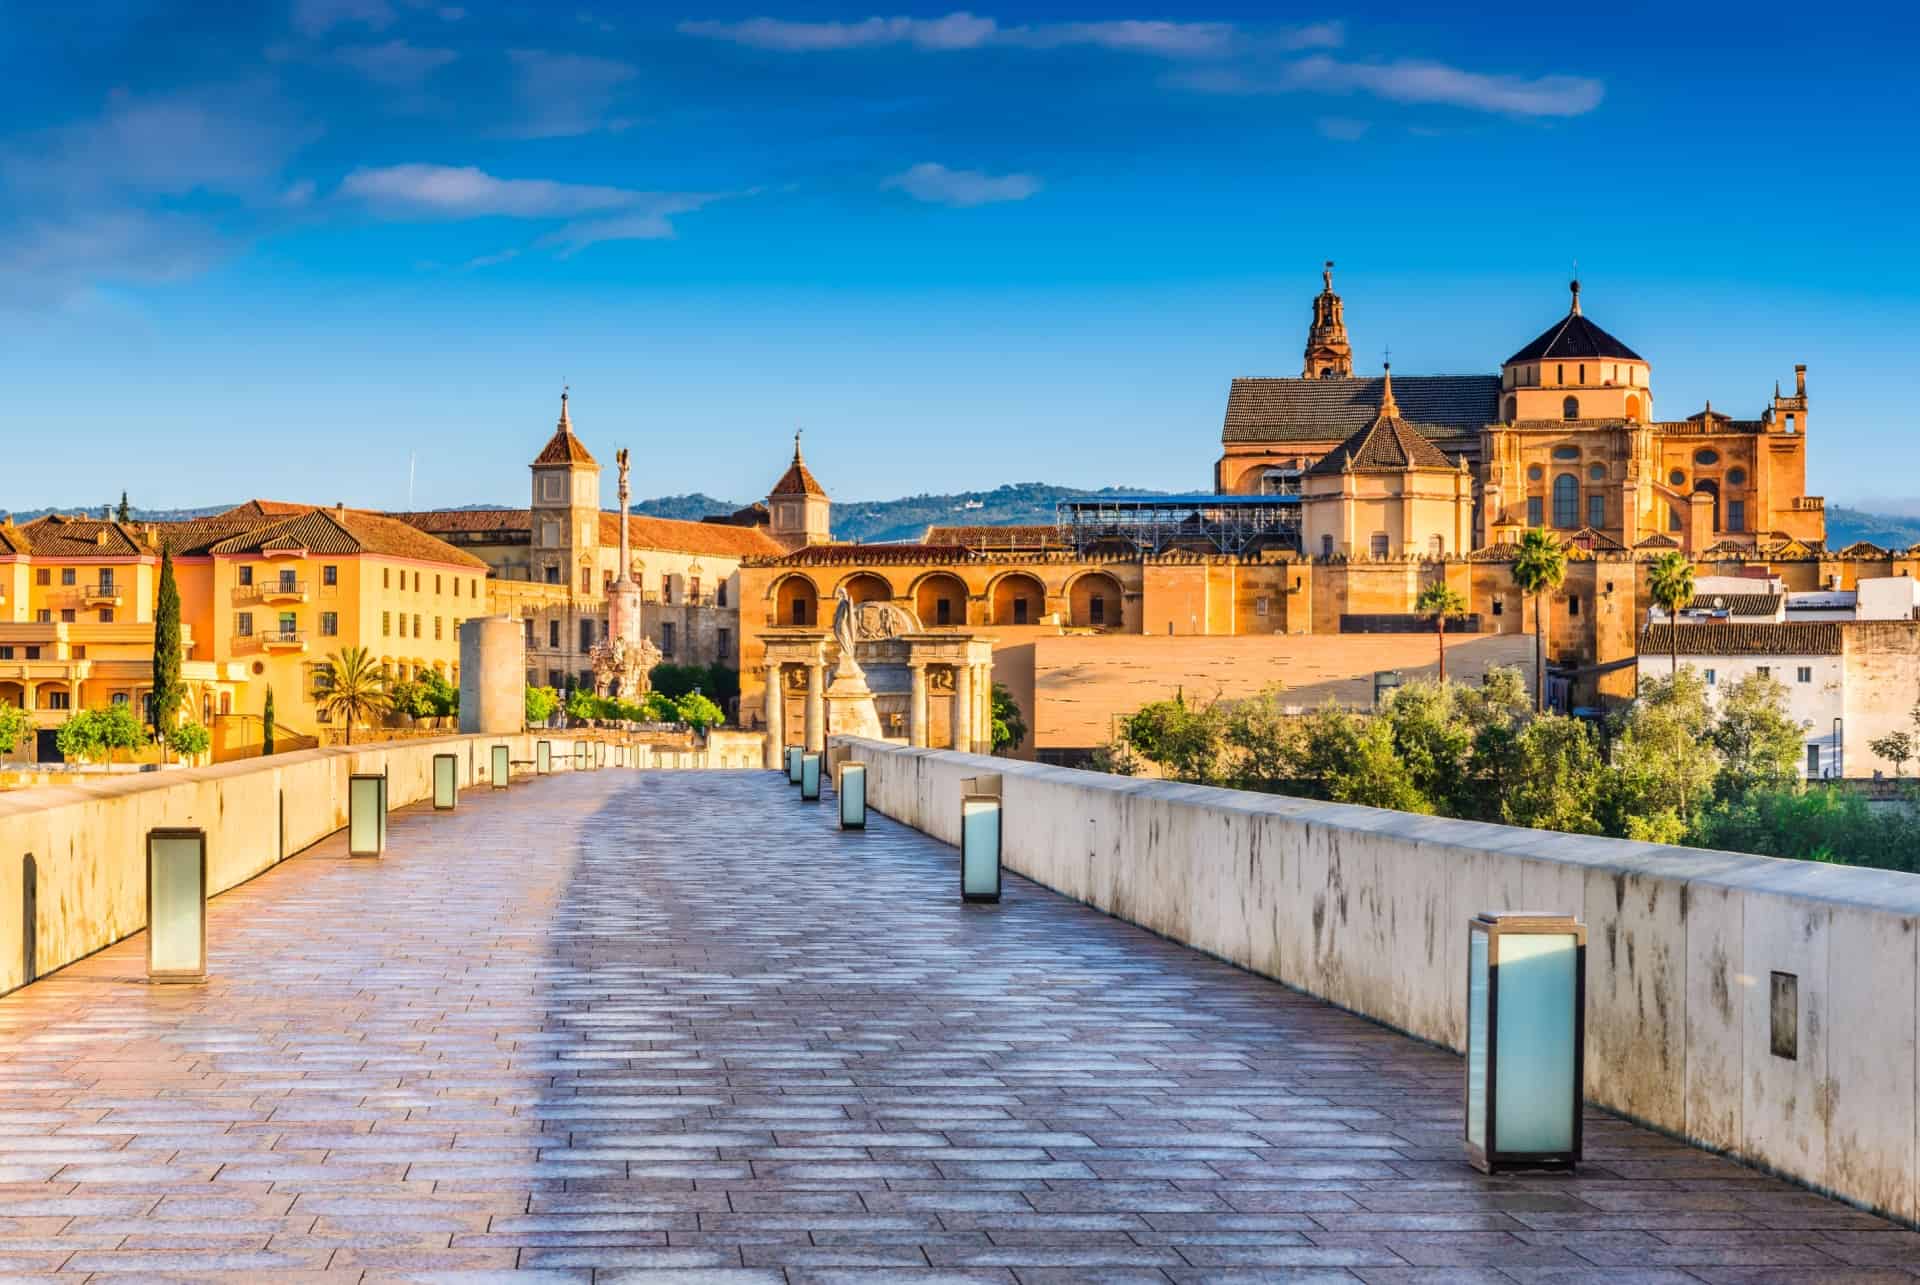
{"points": [[106, 593], [272, 591], [282, 640]]}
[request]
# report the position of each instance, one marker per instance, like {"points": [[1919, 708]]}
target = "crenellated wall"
{"points": [[1368, 909]]}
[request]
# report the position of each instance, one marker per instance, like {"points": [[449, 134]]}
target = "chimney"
{"points": [[1800, 380]]}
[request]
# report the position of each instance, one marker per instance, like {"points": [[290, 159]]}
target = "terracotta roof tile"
{"points": [[345, 532], [719, 539], [63, 537], [826, 555], [1737, 638], [1740, 604], [467, 521], [1389, 444], [1330, 410], [1015, 536], [797, 480]]}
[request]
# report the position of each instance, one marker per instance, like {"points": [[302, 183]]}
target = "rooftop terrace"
{"points": [[678, 1026]]}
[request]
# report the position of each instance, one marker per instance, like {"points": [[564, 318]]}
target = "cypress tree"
{"points": [[126, 510], [266, 725], [166, 648]]}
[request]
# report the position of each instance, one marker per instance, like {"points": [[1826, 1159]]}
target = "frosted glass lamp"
{"points": [[502, 766], [980, 847], [599, 754], [1526, 1039], [366, 814], [446, 782], [176, 905], [810, 777], [580, 756], [543, 757], [793, 764], [851, 790]]}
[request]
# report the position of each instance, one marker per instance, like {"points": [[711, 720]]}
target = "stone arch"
{"points": [[866, 586], [796, 602], [940, 598], [1633, 408], [1018, 598], [1095, 599]]}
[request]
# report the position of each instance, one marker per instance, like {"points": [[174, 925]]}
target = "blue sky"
{"points": [[277, 249]]}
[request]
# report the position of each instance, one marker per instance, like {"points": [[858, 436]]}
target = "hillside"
{"points": [[1845, 526]]}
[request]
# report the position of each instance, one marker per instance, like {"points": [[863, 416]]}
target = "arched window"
{"points": [[1566, 501], [1510, 410], [1789, 421], [1633, 410], [1570, 408]]}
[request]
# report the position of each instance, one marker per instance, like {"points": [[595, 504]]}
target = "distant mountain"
{"points": [[139, 514], [1846, 526], [686, 508]]}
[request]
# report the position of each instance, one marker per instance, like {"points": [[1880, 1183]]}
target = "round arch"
{"points": [[1094, 600], [866, 586], [940, 598], [796, 601], [1017, 598]]}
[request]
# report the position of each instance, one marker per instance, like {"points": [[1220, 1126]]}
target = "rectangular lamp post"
{"points": [[542, 757], [579, 756], [176, 905], [851, 790], [366, 814], [446, 782], [793, 764], [502, 766], [1526, 1039], [810, 777], [979, 844], [599, 754]]}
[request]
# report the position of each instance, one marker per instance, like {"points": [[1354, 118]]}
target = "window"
{"points": [[1712, 678], [6, 652], [1097, 609], [42, 576], [551, 574], [386, 577], [106, 615], [456, 586], [416, 581], [666, 638], [121, 698], [330, 574], [1596, 511], [1673, 518], [1736, 476], [473, 588], [403, 624], [720, 594], [1535, 473], [1706, 459], [606, 579], [725, 639], [1765, 671], [436, 628], [1596, 472], [1570, 408], [386, 623], [67, 615], [287, 581], [1583, 374], [1789, 421], [1378, 545], [529, 631], [550, 487], [1813, 760], [43, 616], [586, 579], [1535, 507], [586, 635], [416, 625], [1497, 604], [799, 611], [1019, 611], [1736, 515], [666, 589], [1573, 605], [1804, 674], [33, 653], [246, 575], [67, 575], [243, 624], [553, 635], [1326, 546], [1436, 547], [57, 700], [693, 589], [1559, 374], [943, 612], [329, 624], [106, 579], [436, 584], [1260, 606], [289, 623], [1566, 452], [1566, 501], [1509, 411], [79, 651]]}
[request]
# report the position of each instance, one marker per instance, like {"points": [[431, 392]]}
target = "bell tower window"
{"points": [[1570, 408]]}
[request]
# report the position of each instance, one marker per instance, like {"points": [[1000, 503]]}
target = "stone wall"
{"points": [[1368, 909], [88, 838]]}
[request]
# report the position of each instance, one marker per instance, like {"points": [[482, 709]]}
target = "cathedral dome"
{"points": [[1574, 338]]}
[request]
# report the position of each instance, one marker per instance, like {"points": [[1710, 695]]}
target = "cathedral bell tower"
{"points": [[1329, 355], [566, 509]]}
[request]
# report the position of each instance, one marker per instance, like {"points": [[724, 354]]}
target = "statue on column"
{"points": [[623, 660]]}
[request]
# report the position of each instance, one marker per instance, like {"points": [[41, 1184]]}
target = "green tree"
{"points": [[15, 724], [169, 693], [1759, 745], [541, 702], [1262, 741], [353, 688], [582, 705], [1665, 763], [696, 710], [440, 697], [1183, 741], [1351, 759], [658, 707], [1443, 603], [1009, 724], [92, 735], [1896, 748], [1670, 582], [266, 724], [1433, 743], [409, 698], [189, 740], [1558, 777], [1539, 568]]}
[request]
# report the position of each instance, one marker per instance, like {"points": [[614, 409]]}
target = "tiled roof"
{"points": [[1735, 638], [1020, 536], [563, 447], [1863, 549], [467, 521], [347, 531], [798, 480], [1331, 410], [1388, 445], [265, 509], [63, 537], [197, 536], [1657, 541], [11, 540], [1572, 337], [827, 555], [1740, 604], [674, 535]]}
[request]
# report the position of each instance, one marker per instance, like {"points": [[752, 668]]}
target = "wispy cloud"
{"points": [[963, 188], [563, 95], [317, 17], [397, 64], [491, 260], [651, 221], [48, 263], [1341, 129], [963, 30], [1411, 81]]}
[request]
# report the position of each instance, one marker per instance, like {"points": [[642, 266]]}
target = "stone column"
{"points": [[816, 707], [983, 709], [775, 718], [963, 708], [917, 705]]}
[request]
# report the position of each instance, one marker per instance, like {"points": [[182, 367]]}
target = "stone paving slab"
{"points": [[669, 1026]]}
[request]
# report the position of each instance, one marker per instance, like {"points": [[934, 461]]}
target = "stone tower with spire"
{"points": [[1329, 355], [798, 507], [566, 509]]}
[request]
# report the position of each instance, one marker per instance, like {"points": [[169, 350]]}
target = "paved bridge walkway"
{"points": [[677, 1026]]}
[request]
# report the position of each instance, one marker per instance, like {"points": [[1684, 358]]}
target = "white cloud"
{"points": [[1342, 129], [491, 260], [50, 262], [396, 63], [464, 192], [955, 31], [1412, 81], [562, 95], [317, 17], [963, 30], [962, 188], [1164, 39], [652, 221]]}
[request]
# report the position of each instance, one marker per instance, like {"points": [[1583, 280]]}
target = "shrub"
{"points": [[93, 734]]}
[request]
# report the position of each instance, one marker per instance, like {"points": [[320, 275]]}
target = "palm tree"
{"points": [[1539, 568], [1441, 601], [355, 687], [1670, 581]]}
